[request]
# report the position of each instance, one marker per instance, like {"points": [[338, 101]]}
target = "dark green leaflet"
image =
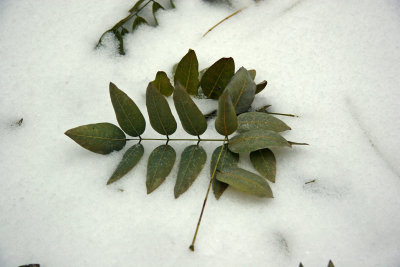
{"points": [[226, 122], [163, 84], [102, 138], [264, 162], [260, 86], [260, 121], [159, 165], [187, 73], [192, 161], [137, 22], [129, 160], [160, 115], [216, 77], [193, 121], [227, 159], [128, 114], [330, 264], [242, 90], [255, 140], [245, 181]]}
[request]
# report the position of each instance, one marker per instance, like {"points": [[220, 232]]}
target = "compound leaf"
{"points": [[137, 22], [163, 84], [245, 181], [160, 115], [192, 161], [255, 140], [264, 162], [226, 122], [260, 121], [129, 160], [187, 73], [102, 138], [242, 90], [128, 114], [227, 159], [161, 161], [260, 86], [193, 121], [216, 77]]}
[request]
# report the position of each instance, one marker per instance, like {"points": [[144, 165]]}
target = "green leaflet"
{"points": [[163, 84], [187, 73], [192, 161], [159, 165], [161, 118], [156, 6], [124, 31], [253, 74], [242, 90], [330, 264], [226, 122], [129, 160], [193, 121], [227, 159], [260, 86], [255, 140], [216, 77], [301, 265], [260, 121], [102, 138], [264, 162], [137, 22], [245, 181], [172, 3], [128, 114]]}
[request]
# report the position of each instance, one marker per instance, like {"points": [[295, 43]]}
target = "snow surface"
{"points": [[333, 63]]}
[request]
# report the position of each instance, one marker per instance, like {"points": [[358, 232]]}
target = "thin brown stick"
{"points": [[231, 15], [208, 191]]}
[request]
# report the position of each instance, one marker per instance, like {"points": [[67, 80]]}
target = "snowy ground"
{"points": [[333, 63]]}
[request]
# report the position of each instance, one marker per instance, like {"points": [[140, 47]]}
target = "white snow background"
{"points": [[334, 63]]}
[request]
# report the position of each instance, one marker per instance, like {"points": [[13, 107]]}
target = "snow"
{"points": [[333, 63]]}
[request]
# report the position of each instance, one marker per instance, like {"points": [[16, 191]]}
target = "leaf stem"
{"points": [[173, 139], [208, 191]]}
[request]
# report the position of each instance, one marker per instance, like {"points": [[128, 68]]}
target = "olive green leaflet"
{"points": [[160, 115], [128, 114], [193, 121], [187, 73], [131, 157], [102, 138], [226, 122]]}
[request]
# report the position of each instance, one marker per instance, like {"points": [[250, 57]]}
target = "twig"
{"points": [[231, 15]]}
